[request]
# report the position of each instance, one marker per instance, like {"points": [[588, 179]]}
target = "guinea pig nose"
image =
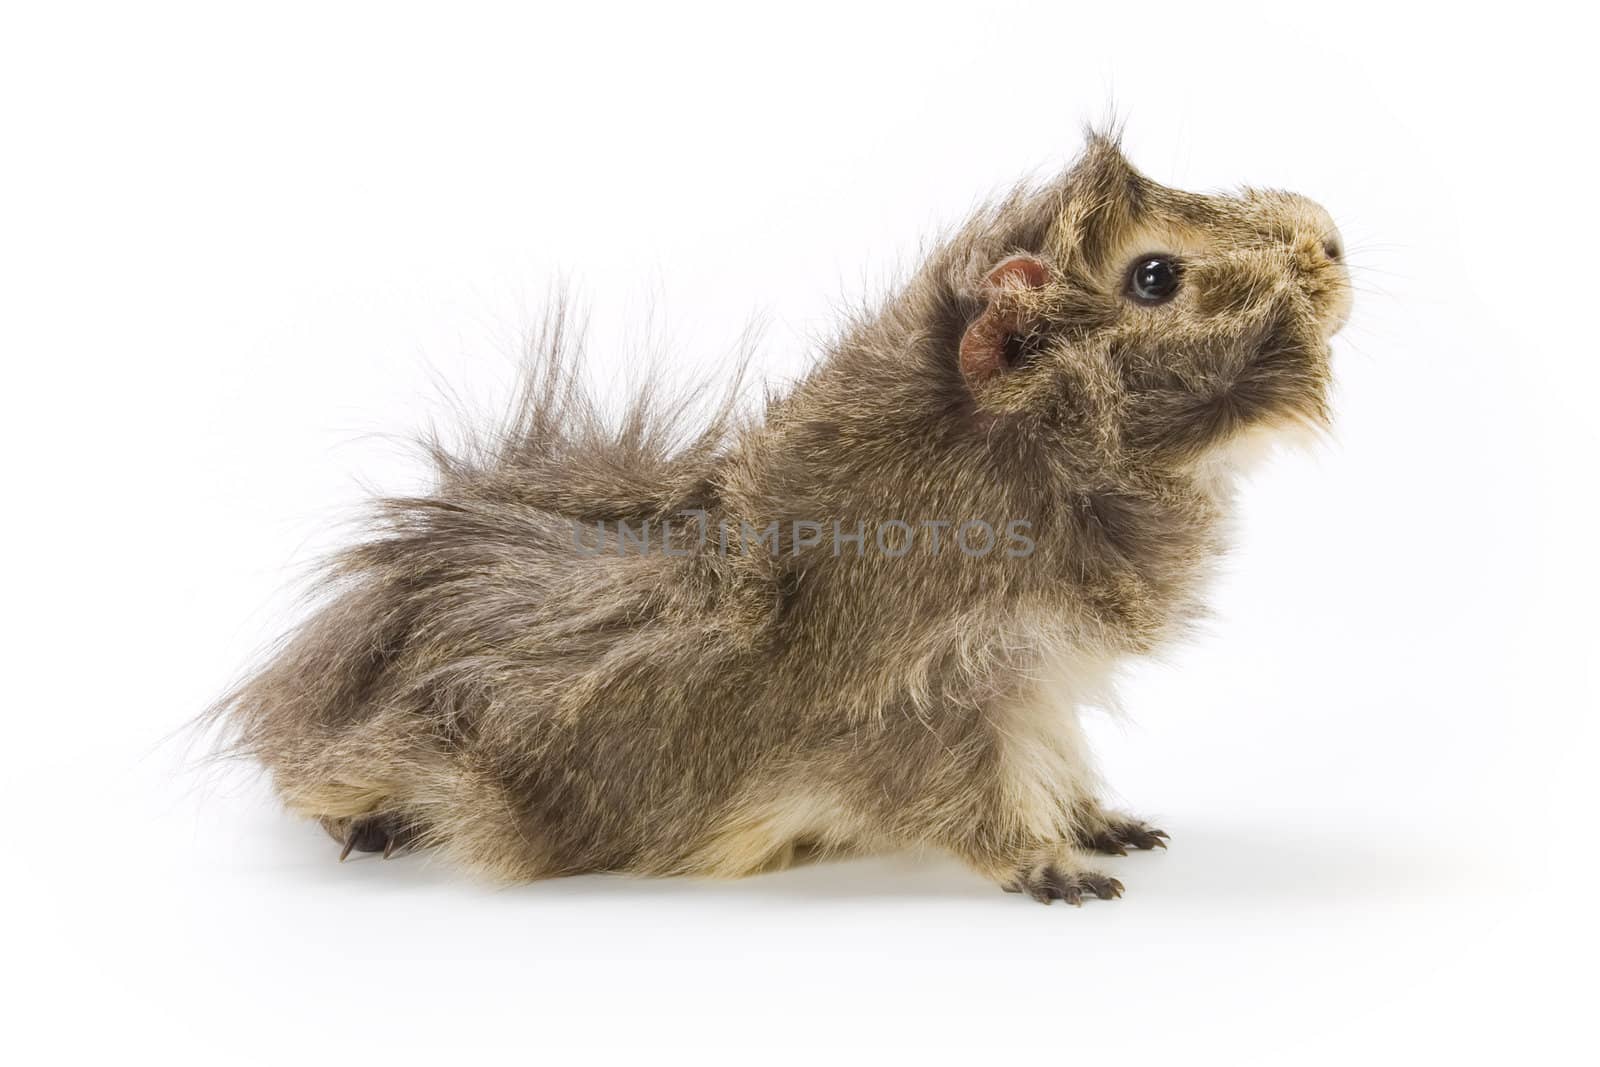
{"points": [[1332, 249]]}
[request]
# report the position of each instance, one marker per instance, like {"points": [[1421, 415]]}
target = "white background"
{"points": [[241, 251]]}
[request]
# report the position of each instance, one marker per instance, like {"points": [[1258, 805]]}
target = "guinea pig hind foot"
{"points": [[371, 833]]}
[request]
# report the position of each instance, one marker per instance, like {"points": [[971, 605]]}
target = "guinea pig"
{"points": [[865, 619]]}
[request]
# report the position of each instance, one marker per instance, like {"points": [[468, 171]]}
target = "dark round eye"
{"points": [[1154, 279]]}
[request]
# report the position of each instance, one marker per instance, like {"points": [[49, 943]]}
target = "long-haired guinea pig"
{"points": [[865, 619]]}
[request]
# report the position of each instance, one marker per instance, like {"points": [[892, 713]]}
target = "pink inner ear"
{"points": [[983, 345], [983, 348], [1021, 271]]}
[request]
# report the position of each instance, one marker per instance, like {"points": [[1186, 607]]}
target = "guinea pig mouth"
{"points": [[1285, 382], [1335, 318], [1334, 303], [1280, 381]]}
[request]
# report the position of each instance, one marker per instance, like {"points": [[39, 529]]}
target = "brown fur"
{"points": [[478, 684]]}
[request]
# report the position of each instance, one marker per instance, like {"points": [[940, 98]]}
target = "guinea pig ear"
{"points": [[984, 346]]}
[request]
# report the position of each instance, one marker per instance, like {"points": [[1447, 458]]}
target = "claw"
{"points": [[388, 847], [1051, 883], [349, 843], [1144, 837]]}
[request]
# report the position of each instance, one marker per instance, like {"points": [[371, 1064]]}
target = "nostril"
{"points": [[1332, 250]]}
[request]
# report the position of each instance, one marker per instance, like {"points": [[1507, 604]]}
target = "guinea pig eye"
{"points": [[1154, 279]]}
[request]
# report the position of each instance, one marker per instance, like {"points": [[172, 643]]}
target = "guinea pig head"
{"points": [[1173, 321]]}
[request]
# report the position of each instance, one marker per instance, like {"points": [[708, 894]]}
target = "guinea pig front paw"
{"points": [[1050, 882], [1114, 835]]}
